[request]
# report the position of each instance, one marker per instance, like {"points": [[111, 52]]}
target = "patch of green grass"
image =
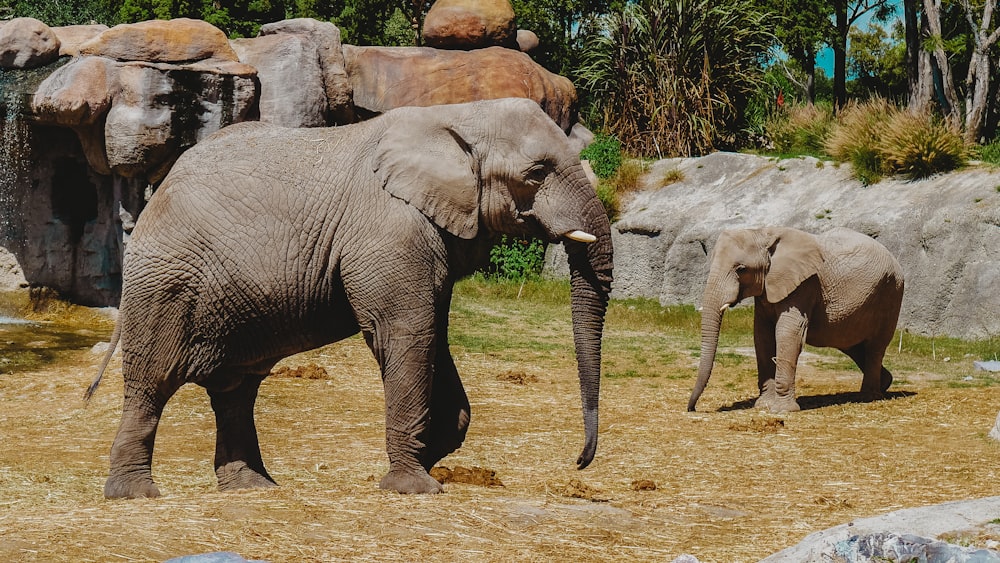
{"points": [[629, 374]]}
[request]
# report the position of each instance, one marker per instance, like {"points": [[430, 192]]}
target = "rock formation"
{"points": [[92, 118]]}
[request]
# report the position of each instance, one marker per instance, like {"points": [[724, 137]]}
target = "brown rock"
{"points": [[469, 24], [527, 41], [77, 93], [27, 43], [72, 36], [389, 77], [162, 41]]}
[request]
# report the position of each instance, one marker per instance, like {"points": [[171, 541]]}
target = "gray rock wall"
{"points": [[945, 231]]}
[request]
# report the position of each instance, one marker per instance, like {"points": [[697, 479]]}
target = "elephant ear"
{"points": [[423, 161], [795, 257]]}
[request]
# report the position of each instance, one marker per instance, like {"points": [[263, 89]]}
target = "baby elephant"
{"points": [[840, 289]]}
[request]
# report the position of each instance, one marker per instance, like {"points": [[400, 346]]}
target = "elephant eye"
{"points": [[740, 268], [536, 174]]}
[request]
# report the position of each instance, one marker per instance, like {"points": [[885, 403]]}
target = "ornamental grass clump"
{"points": [[802, 129], [918, 146], [856, 138], [880, 139]]}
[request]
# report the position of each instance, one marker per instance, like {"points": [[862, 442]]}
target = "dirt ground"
{"points": [[726, 484]]}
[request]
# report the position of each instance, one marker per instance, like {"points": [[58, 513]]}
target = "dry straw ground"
{"points": [[726, 484]]}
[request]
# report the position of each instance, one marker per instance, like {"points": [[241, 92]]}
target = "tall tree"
{"points": [[846, 14], [984, 34], [802, 27]]}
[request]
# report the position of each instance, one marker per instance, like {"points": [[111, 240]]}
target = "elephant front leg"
{"points": [[765, 350], [238, 463], [406, 362], [790, 335], [450, 410], [132, 451]]}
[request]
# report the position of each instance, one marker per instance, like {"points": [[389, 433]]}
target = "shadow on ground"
{"points": [[809, 402]]}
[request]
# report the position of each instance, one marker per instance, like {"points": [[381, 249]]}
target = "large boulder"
{"points": [[384, 78], [300, 64], [161, 110], [71, 37], [135, 118], [326, 37], [291, 80], [179, 40], [469, 24], [77, 93], [27, 43]]}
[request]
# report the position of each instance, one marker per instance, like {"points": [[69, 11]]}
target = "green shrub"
{"points": [[515, 258], [802, 129], [604, 154], [989, 153]]}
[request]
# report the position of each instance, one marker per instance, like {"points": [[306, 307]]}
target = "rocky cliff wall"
{"points": [[92, 118], [945, 231]]}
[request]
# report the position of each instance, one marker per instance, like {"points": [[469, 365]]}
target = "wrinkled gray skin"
{"points": [[263, 242], [840, 289]]}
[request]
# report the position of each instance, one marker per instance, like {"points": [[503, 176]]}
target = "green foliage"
{"points": [[516, 258], [57, 13], [877, 61], [989, 153], [604, 155], [671, 77], [800, 129], [563, 28]]}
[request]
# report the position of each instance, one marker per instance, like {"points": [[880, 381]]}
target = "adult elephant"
{"points": [[263, 241], [840, 289]]}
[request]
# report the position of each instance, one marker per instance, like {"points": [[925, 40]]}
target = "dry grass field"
{"points": [[726, 484]]}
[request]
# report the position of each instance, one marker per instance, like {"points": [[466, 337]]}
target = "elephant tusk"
{"points": [[580, 236], [724, 307]]}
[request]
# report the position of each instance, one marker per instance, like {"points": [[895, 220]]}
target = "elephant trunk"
{"points": [[713, 304], [591, 266]]}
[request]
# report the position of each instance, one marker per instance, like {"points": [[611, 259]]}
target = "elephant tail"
{"points": [[115, 337]]}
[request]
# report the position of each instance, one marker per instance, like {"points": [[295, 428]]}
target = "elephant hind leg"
{"points": [[876, 379], [238, 463], [132, 452]]}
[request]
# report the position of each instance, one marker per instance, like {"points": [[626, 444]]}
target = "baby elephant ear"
{"points": [[795, 257], [424, 162]]}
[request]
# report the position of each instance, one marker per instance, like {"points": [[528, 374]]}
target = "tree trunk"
{"points": [[944, 84], [913, 51], [809, 66], [842, 28]]}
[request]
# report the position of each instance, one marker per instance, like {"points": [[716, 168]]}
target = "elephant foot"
{"points": [[410, 481], [776, 403], [123, 486], [238, 475]]}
